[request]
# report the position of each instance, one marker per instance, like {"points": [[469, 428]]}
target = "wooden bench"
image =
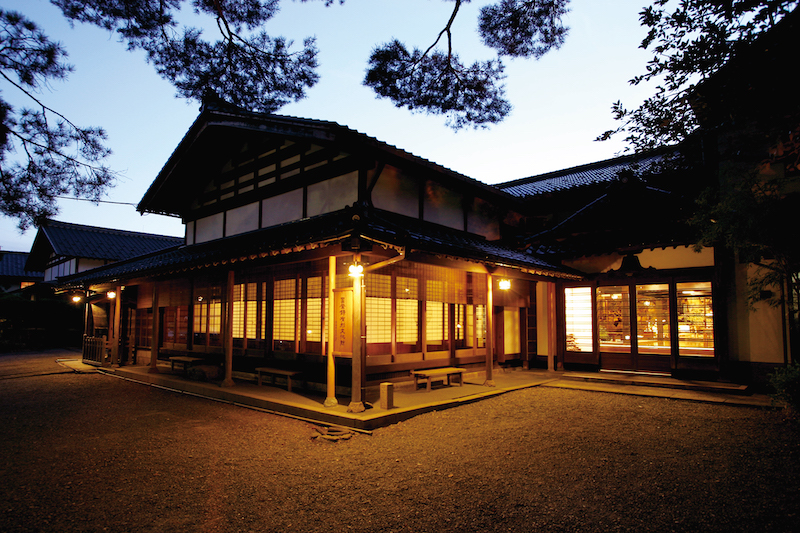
{"points": [[438, 374], [288, 374], [184, 360]]}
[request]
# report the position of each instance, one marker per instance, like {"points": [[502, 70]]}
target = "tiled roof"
{"points": [[12, 265], [77, 240], [581, 176], [313, 233]]}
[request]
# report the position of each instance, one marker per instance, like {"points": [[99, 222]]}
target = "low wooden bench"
{"points": [[184, 360], [438, 374], [272, 372]]}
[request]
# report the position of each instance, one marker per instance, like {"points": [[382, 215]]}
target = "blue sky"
{"points": [[561, 102]]}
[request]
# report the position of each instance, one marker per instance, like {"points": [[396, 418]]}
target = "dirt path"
{"points": [[89, 452]]}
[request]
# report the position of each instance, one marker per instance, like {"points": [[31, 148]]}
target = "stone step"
{"points": [[651, 380]]}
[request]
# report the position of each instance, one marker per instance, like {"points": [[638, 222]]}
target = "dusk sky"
{"points": [[560, 102]]}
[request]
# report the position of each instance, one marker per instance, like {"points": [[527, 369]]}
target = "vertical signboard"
{"points": [[343, 322]]}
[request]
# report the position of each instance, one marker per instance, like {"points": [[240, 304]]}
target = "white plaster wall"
{"points": [[86, 264], [282, 208], [757, 334], [680, 257], [443, 206], [209, 228], [333, 194], [396, 193], [481, 221], [190, 232], [241, 219]]}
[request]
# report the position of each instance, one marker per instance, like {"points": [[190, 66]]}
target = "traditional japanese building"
{"points": [[647, 301], [312, 247]]}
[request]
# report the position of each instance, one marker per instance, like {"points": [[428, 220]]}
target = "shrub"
{"points": [[786, 382]]}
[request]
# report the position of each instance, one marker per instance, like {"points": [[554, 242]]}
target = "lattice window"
{"points": [[314, 309], [144, 327], [284, 314], [379, 313]]}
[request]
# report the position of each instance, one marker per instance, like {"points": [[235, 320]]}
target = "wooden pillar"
{"points": [[156, 332], [87, 314], [115, 337], [552, 344], [227, 340], [489, 382], [359, 378], [330, 400]]}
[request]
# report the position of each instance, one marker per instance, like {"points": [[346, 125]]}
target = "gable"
{"points": [[237, 171]]}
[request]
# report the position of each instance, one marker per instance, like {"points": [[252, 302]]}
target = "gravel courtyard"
{"points": [[89, 452]]}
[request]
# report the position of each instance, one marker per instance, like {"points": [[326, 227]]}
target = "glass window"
{"points": [[652, 318], [695, 319], [407, 316], [379, 313], [284, 314], [463, 329], [614, 319], [314, 314], [578, 314], [207, 316], [480, 326], [245, 314]]}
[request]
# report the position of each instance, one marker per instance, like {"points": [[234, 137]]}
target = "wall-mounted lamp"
{"points": [[504, 284], [111, 295], [355, 270]]}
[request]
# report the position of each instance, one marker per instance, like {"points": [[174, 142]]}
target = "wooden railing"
{"points": [[94, 349]]}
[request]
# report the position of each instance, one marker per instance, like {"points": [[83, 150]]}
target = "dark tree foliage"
{"points": [[245, 66], [43, 154], [690, 41], [437, 82]]}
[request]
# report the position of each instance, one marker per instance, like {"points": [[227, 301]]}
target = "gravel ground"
{"points": [[89, 452]]}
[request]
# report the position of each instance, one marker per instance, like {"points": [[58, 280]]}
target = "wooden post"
{"points": [[552, 344], [116, 337], [358, 383], [330, 400], [227, 340], [489, 382], [156, 332]]}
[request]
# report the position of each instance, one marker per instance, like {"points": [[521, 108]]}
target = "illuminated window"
{"points": [[652, 318], [437, 324], [480, 326], [578, 315], [614, 319], [464, 326], [695, 319], [407, 316], [315, 312], [245, 314], [379, 313], [284, 314]]}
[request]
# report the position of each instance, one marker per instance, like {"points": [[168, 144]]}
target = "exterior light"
{"points": [[504, 284], [111, 295], [356, 270], [76, 298]]}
